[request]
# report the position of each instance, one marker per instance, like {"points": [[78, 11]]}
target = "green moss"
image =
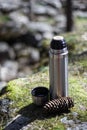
{"points": [[4, 18], [81, 23], [75, 41], [19, 91]]}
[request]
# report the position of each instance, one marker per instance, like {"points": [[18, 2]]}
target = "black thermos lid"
{"points": [[58, 43]]}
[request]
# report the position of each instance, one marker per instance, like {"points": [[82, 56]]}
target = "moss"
{"points": [[81, 23], [4, 18], [75, 41], [19, 91]]}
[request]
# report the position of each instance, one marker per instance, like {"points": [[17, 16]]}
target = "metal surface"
{"points": [[40, 95], [58, 70]]}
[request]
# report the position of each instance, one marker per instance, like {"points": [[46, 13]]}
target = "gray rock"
{"points": [[44, 10], [13, 29], [48, 35], [73, 128], [83, 126], [40, 27], [12, 54], [24, 52], [18, 46], [19, 18], [38, 36], [28, 127], [9, 5], [22, 61], [80, 13], [64, 120], [21, 22], [75, 114], [80, 5], [4, 108], [3, 47], [67, 122], [9, 70], [54, 3], [17, 123], [4, 51], [2, 85], [60, 18], [34, 55], [60, 23], [24, 72], [31, 55], [16, 25], [69, 128]]}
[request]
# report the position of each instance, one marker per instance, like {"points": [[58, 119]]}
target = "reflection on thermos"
{"points": [[58, 67]]}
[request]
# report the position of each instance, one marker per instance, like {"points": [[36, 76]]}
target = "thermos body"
{"points": [[58, 71]]}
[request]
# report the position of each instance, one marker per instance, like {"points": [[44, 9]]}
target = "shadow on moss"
{"points": [[34, 112]]}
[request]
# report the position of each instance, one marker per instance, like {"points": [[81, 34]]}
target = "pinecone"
{"points": [[59, 105]]}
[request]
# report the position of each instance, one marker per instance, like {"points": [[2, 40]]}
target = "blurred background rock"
{"points": [[26, 28]]}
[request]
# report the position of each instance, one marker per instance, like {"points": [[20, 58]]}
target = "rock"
{"points": [[80, 5], [60, 24], [16, 25], [84, 36], [6, 6], [60, 19], [19, 91], [9, 70], [75, 115], [19, 19], [80, 14], [31, 55], [34, 55], [40, 27], [4, 108], [12, 54], [2, 85], [18, 46], [12, 28], [24, 72], [71, 122], [64, 120], [55, 3], [17, 123], [4, 51], [69, 128], [38, 37], [23, 61], [48, 35], [28, 39], [21, 22], [83, 126], [44, 10], [67, 122]]}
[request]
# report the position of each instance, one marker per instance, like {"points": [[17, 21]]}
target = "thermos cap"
{"points": [[58, 43]]}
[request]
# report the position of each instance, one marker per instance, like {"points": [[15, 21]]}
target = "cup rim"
{"points": [[40, 91]]}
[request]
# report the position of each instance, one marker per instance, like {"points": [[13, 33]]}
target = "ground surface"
{"points": [[23, 114]]}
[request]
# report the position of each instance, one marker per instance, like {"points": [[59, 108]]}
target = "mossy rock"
{"points": [[76, 41], [19, 92]]}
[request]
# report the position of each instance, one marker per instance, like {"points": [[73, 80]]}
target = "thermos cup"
{"points": [[58, 67]]}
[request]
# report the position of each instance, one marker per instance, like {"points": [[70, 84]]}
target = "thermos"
{"points": [[58, 68]]}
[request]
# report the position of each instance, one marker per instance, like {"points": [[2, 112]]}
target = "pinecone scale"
{"points": [[61, 104]]}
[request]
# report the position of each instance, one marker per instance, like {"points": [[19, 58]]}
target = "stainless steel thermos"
{"points": [[58, 67]]}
